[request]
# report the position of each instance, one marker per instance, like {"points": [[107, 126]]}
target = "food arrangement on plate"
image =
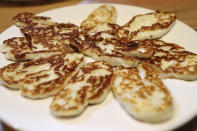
{"points": [[49, 60]]}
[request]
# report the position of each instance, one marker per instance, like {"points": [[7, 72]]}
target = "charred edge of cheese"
{"points": [[143, 94], [173, 61], [148, 26], [29, 19], [99, 18], [38, 54], [90, 85], [40, 85]]}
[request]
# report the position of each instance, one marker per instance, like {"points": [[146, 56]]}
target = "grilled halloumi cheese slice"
{"points": [[89, 86], [39, 40], [19, 49], [111, 44], [147, 26], [105, 46], [57, 30], [142, 93], [29, 19], [52, 37], [43, 77], [173, 61], [99, 18]]}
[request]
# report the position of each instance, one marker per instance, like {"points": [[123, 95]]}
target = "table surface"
{"points": [[185, 10]]}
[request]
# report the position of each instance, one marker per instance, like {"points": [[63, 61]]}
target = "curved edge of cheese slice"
{"points": [[148, 26], [143, 94], [120, 60]]}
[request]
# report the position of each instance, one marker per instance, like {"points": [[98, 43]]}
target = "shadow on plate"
{"points": [[190, 126]]}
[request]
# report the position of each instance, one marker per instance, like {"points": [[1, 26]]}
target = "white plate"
{"points": [[25, 114]]}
